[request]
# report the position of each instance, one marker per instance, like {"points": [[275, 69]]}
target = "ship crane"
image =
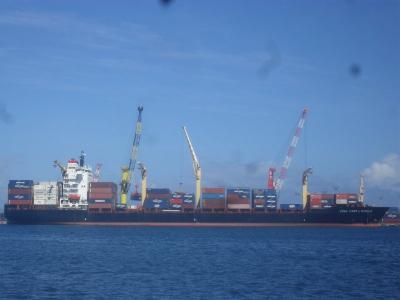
{"points": [[307, 172], [127, 171], [143, 172], [196, 169], [62, 168], [288, 159], [97, 172]]}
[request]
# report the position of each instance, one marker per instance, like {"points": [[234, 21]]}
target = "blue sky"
{"points": [[236, 73]]}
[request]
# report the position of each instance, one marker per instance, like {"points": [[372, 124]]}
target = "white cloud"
{"points": [[385, 174]]}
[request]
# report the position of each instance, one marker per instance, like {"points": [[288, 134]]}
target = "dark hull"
{"points": [[29, 215]]}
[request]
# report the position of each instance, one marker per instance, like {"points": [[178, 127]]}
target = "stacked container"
{"points": [[259, 199], [102, 195], [46, 193], [20, 192], [238, 198], [346, 199], [291, 207], [271, 200], [176, 200], [213, 198], [188, 201], [318, 201], [157, 199]]}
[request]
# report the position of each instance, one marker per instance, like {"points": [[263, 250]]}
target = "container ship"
{"points": [[80, 198]]}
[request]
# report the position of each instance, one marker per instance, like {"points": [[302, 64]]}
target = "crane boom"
{"points": [[128, 170], [97, 172], [196, 169], [289, 155], [62, 168]]}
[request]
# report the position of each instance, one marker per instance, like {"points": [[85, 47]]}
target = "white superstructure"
{"points": [[76, 179]]}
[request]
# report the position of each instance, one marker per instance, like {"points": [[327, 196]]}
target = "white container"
{"points": [[45, 193], [341, 201]]}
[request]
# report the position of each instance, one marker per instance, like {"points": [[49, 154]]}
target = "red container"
{"points": [[103, 185], [214, 204], [101, 190], [327, 196], [102, 195], [238, 201], [20, 202], [100, 205], [259, 202], [20, 191], [216, 190], [346, 196], [177, 201]]}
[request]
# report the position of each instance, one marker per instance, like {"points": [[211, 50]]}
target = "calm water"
{"points": [[68, 262]]}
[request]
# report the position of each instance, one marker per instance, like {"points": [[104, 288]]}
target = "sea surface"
{"points": [[100, 262]]}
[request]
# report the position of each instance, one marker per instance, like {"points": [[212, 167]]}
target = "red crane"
{"points": [[288, 159]]}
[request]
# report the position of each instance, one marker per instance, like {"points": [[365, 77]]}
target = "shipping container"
{"points": [[176, 201], [213, 204], [213, 190], [102, 196], [158, 191], [346, 196], [103, 184], [19, 202], [238, 206], [341, 201], [20, 197], [15, 191], [101, 200], [188, 201], [156, 203], [20, 183], [291, 206], [213, 196], [102, 190], [108, 206]]}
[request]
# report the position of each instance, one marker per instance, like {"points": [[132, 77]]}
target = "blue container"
{"points": [[159, 191], [270, 192], [157, 203], [291, 206], [213, 196], [20, 197], [20, 184]]}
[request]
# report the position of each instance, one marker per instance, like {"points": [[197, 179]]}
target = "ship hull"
{"points": [[336, 215]]}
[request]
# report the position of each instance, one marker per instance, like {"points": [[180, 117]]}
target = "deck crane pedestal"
{"points": [[127, 171], [361, 191], [196, 169], [143, 172], [307, 172]]}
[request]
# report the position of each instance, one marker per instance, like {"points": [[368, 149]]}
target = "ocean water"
{"points": [[73, 262]]}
